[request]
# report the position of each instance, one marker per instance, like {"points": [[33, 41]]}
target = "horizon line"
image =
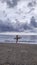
{"points": [[17, 33]]}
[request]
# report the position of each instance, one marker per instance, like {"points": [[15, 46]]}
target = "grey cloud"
{"points": [[5, 26], [31, 4], [33, 22], [18, 26], [14, 3], [11, 4]]}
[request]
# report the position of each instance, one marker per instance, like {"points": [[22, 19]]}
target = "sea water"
{"points": [[23, 39]]}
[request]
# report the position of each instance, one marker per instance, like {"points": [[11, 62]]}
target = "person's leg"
{"points": [[16, 40]]}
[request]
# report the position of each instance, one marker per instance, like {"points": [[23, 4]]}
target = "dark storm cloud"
{"points": [[18, 27], [31, 4], [14, 3], [5, 26], [11, 3], [33, 22]]}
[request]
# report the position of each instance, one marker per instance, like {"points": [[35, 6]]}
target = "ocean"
{"points": [[23, 39]]}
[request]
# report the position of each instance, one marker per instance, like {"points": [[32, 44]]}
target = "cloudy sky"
{"points": [[12, 11]]}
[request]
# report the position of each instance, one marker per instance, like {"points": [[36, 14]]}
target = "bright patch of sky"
{"points": [[2, 11]]}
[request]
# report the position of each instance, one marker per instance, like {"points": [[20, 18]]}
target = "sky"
{"points": [[14, 11]]}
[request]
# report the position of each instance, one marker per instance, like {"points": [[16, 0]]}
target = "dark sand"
{"points": [[18, 54]]}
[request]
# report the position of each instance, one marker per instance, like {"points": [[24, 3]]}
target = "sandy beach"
{"points": [[18, 54]]}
